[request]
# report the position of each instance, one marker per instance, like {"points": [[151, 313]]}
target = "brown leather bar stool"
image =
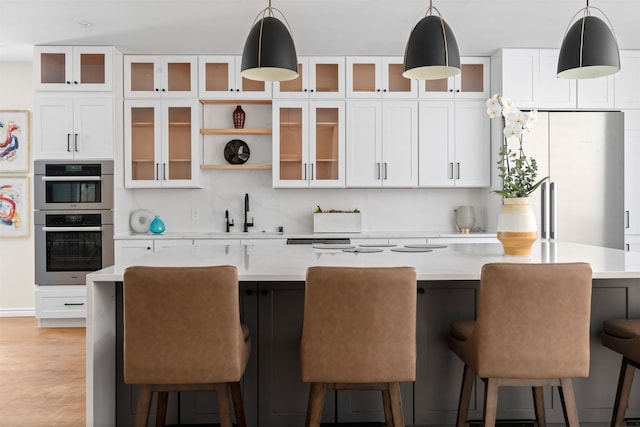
{"points": [[532, 329], [623, 336], [182, 332], [359, 333]]}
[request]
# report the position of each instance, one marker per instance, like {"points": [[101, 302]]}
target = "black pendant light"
{"points": [[589, 48], [269, 53], [432, 51]]}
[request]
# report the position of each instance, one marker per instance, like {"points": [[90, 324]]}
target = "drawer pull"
{"points": [[73, 303]]}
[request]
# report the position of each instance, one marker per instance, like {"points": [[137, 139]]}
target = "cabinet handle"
{"points": [[157, 171], [450, 90], [237, 90], [75, 142], [378, 170], [450, 170], [377, 90], [458, 170], [68, 82], [385, 170], [264, 292], [157, 90], [164, 90], [248, 292], [457, 90], [311, 164], [306, 90], [164, 171], [304, 165], [421, 291], [627, 219], [628, 247], [68, 142], [312, 90], [73, 303], [230, 89], [384, 90], [75, 83]]}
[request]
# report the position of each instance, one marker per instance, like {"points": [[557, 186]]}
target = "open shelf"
{"points": [[233, 131], [228, 167]]}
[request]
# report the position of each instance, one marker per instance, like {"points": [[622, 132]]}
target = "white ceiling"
{"points": [[319, 27]]}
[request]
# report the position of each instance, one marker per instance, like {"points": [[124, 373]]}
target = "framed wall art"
{"points": [[14, 141], [14, 206]]}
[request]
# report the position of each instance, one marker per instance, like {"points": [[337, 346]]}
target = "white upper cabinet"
{"points": [[627, 80], [528, 77], [73, 128], [631, 171], [220, 78], [454, 144], [73, 68], [147, 76], [472, 82], [378, 77], [382, 143], [320, 77]]}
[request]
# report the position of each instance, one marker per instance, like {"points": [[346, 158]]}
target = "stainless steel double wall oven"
{"points": [[73, 219]]}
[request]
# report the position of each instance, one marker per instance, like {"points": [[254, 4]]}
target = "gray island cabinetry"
{"points": [[272, 297]]}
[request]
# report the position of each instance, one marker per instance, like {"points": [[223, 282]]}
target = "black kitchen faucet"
{"points": [[246, 224]]}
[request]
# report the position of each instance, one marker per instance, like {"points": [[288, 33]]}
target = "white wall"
{"points": [[16, 255]]}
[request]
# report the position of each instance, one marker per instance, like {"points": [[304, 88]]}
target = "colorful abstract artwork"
{"points": [[14, 141], [14, 206]]}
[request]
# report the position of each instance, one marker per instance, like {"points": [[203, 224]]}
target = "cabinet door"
{"points": [[128, 250], [596, 93], [364, 77], [436, 143], [53, 129], [400, 144], [472, 145], [632, 243], [142, 142], [520, 72], [326, 144], [66, 68], [220, 78], [283, 394], [472, 82], [178, 76], [364, 143], [141, 76], [631, 171], [326, 77], [180, 153], [290, 144], [394, 85], [553, 92], [93, 128], [627, 85]]}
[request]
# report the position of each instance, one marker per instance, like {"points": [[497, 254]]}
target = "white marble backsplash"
{"points": [[382, 209]]}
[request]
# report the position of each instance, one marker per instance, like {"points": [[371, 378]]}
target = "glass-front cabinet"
{"points": [[308, 144], [220, 77], [378, 77], [472, 82], [73, 68], [148, 76], [319, 77], [161, 144]]}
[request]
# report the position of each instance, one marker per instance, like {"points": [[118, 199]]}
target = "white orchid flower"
{"points": [[494, 111], [492, 102], [512, 130]]}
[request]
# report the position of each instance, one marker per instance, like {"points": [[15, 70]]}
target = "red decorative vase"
{"points": [[238, 117]]}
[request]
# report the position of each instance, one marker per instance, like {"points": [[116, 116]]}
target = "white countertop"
{"points": [[455, 262], [285, 235]]}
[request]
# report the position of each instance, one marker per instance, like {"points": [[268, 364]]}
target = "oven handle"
{"points": [[72, 178], [64, 229]]}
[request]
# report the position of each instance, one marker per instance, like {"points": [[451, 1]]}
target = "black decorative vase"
{"points": [[238, 117]]}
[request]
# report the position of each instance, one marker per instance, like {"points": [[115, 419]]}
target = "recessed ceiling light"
{"points": [[85, 24]]}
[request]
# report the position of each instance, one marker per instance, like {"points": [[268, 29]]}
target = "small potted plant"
{"points": [[517, 229]]}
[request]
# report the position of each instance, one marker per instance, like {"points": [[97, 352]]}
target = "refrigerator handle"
{"points": [[553, 211], [626, 219], [543, 211]]}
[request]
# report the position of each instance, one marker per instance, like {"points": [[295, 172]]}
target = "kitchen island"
{"points": [[272, 292]]}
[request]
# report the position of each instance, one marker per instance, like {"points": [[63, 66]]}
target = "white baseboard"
{"points": [[18, 312]]}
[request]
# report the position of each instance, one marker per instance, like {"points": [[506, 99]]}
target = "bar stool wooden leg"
{"points": [[238, 404], [396, 404], [568, 402], [316, 401], [490, 402], [386, 403], [144, 405], [538, 404], [161, 411], [622, 394], [465, 396], [223, 405]]}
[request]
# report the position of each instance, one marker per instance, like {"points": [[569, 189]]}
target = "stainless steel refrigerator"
{"points": [[583, 155]]}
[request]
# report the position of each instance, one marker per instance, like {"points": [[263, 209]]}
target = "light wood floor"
{"points": [[42, 374]]}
